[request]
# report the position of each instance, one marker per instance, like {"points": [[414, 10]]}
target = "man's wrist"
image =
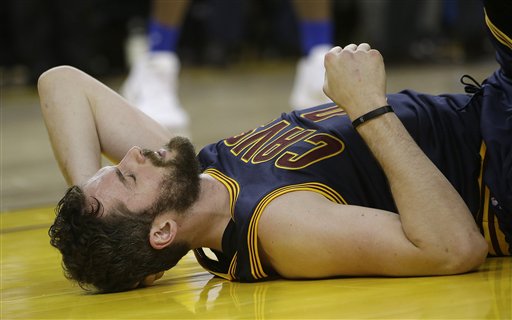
{"points": [[375, 113]]}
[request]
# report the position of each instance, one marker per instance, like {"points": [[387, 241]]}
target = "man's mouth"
{"points": [[161, 153]]}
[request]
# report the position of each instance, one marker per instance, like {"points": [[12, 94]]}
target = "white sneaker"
{"points": [[309, 80], [152, 87]]}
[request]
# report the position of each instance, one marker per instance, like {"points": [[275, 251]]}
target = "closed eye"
{"points": [[122, 178], [119, 175], [133, 177]]}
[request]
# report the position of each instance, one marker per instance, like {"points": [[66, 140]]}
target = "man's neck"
{"points": [[204, 225]]}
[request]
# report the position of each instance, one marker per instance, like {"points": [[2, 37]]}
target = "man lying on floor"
{"points": [[372, 184]]}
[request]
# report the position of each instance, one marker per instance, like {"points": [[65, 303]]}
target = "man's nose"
{"points": [[134, 155]]}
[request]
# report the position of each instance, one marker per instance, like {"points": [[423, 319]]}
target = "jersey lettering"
{"points": [[282, 142], [274, 142], [236, 139], [324, 114], [326, 146], [255, 141]]}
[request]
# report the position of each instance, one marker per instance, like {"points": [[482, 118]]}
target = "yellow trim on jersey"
{"points": [[220, 275], [252, 234], [230, 184], [230, 275], [496, 238], [501, 240], [497, 33], [485, 222], [479, 216], [232, 266], [203, 261], [231, 270], [234, 190], [483, 150]]}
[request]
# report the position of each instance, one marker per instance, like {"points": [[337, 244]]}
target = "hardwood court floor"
{"points": [[221, 103], [33, 288]]}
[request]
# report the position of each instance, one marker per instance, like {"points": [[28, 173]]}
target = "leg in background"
{"points": [[316, 37], [152, 84]]}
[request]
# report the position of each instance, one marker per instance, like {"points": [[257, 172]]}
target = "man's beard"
{"points": [[180, 186]]}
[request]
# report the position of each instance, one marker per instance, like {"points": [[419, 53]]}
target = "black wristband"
{"points": [[370, 115]]}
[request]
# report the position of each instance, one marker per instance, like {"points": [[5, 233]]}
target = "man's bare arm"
{"points": [[84, 119], [433, 215], [307, 236]]}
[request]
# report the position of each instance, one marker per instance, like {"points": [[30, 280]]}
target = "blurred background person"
{"points": [[152, 84], [90, 35]]}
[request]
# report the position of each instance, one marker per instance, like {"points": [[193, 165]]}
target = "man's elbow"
{"points": [[48, 78], [465, 257]]}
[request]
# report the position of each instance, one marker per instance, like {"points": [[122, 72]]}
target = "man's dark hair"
{"points": [[109, 251]]}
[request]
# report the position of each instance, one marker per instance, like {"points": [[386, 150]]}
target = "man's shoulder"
{"points": [[285, 223], [284, 215]]}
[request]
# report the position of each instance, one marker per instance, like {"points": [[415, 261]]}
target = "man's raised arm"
{"points": [[84, 119], [433, 216]]}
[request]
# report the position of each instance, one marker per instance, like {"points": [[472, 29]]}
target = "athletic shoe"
{"points": [[152, 87], [309, 80]]}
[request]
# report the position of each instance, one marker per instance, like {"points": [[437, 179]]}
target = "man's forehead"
{"points": [[99, 178], [101, 186]]}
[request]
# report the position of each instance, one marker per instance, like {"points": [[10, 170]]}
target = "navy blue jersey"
{"points": [[318, 150], [467, 136]]}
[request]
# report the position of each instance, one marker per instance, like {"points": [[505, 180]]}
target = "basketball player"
{"points": [[373, 184]]}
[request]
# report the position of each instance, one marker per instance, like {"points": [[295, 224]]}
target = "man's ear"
{"points": [[162, 233]]}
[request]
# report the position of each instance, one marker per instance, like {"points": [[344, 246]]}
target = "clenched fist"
{"points": [[355, 78]]}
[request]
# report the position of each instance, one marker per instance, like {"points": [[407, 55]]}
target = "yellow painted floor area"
{"points": [[33, 287]]}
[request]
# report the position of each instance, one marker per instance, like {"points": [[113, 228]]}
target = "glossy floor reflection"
{"points": [[33, 287]]}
